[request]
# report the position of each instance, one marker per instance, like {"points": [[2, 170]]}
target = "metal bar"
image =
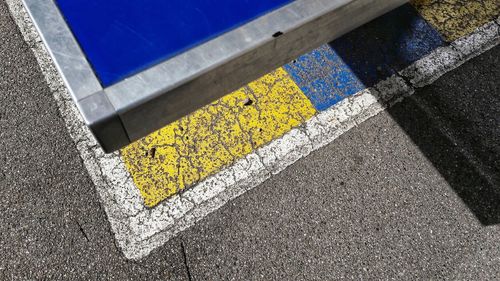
{"points": [[83, 85], [62, 46], [178, 86]]}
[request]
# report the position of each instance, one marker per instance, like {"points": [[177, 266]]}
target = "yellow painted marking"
{"points": [[197, 146], [457, 18]]}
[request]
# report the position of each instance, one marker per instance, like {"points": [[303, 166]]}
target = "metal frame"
{"points": [[149, 100]]}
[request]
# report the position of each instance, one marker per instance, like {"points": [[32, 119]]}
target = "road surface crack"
{"points": [[184, 255], [82, 231]]}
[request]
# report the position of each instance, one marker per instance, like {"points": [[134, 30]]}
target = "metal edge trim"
{"points": [[203, 58], [133, 97], [83, 85], [69, 59], [174, 88], [103, 121]]}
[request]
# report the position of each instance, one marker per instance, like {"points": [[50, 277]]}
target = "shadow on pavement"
{"points": [[456, 124], [455, 121]]}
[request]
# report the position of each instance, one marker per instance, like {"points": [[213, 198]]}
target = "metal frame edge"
{"points": [[151, 99], [83, 85]]}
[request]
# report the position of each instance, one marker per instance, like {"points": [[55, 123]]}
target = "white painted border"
{"points": [[139, 230]]}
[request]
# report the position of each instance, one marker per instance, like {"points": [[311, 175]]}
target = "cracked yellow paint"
{"points": [[197, 146], [457, 18]]}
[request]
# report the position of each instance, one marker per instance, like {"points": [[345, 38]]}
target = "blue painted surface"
{"points": [[364, 56], [123, 37]]}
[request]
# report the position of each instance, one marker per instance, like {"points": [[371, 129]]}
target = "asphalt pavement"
{"points": [[413, 193]]}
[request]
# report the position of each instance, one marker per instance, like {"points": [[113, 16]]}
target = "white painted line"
{"points": [[139, 230], [430, 68]]}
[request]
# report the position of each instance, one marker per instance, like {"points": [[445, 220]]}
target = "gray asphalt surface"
{"points": [[52, 225], [413, 193]]}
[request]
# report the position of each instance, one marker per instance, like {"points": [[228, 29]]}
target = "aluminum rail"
{"points": [[136, 106]]}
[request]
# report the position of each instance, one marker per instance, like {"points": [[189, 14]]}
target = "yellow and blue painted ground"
{"points": [[169, 180], [201, 144]]}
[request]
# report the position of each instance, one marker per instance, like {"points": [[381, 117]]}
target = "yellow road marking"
{"points": [[457, 18], [199, 145]]}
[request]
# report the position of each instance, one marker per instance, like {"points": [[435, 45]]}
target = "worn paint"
{"points": [[457, 18], [350, 64], [197, 146]]}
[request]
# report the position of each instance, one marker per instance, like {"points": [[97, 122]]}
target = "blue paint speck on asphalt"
{"points": [[364, 56]]}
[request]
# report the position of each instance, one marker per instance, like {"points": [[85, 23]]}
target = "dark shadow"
{"points": [[388, 44], [455, 122]]}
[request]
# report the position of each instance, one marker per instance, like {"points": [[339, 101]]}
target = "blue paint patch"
{"points": [[123, 37], [324, 77], [364, 56]]}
